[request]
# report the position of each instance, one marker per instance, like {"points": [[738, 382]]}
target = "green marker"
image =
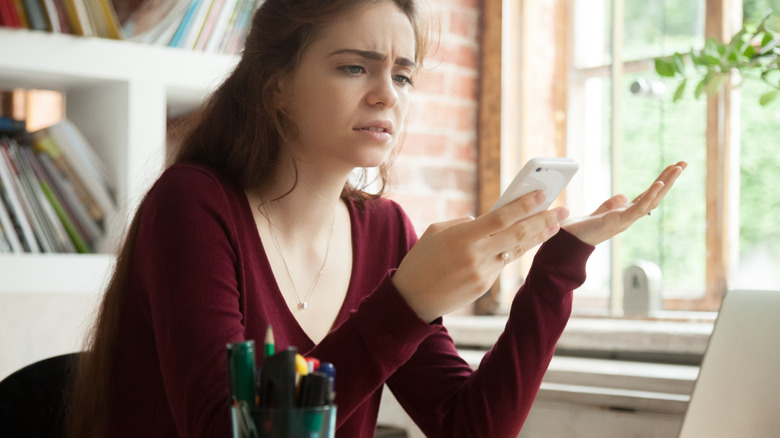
{"points": [[268, 345]]}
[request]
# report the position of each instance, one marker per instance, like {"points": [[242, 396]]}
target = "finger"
{"points": [[610, 204], [526, 234], [441, 226], [668, 177], [646, 202], [668, 181], [504, 217]]}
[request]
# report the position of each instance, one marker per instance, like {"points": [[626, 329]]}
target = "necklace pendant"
{"points": [[303, 305]]}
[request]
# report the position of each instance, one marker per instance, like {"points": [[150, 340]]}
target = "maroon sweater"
{"points": [[200, 280]]}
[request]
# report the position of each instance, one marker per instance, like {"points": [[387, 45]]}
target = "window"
{"points": [[579, 77]]}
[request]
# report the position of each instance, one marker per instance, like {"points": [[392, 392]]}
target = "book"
{"points": [[51, 15], [49, 225], [69, 142], [155, 21], [38, 221], [231, 25], [243, 22], [103, 18], [195, 26], [12, 126], [62, 16], [185, 22], [78, 145], [12, 198], [4, 245], [79, 17], [59, 213], [208, 24], [43, 143], [9, 17], [220, 26], [90, 228], [35, 15], [9, 229], [23, 22]]}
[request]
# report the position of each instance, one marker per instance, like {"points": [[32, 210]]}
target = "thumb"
{"points": [[441, 226]]}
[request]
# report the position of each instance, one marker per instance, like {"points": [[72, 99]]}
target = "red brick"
{"points": [[461, 207], [456, 53], [430, 81], [463, 86], [464, 23], [421, 145]]}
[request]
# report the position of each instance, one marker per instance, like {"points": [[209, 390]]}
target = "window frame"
{"points": [[504, 22]]}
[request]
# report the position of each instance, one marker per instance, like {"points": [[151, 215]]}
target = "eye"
{"points": [[352, 70], [402, 80]]}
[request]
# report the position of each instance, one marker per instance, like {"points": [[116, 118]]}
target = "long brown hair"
{"points": [[238, 132]]}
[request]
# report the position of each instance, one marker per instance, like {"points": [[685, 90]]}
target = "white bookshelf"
{"points": [[119, 94]]}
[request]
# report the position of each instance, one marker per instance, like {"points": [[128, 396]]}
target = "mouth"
{"points": [[379, 126]]}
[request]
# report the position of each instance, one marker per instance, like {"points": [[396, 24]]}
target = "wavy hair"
{"points": [[238, 132]]}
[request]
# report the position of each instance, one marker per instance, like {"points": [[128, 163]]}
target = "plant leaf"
{"points": [[708, 59], [768, 97], [678, 63], [664, 67], [700, 87], [679, 91], [715, 84]]}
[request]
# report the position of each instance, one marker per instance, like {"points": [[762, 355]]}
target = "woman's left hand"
{"points": [[616, 215]]}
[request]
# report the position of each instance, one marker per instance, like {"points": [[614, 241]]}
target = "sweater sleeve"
{"points": [[447, 399], [185, 267]]}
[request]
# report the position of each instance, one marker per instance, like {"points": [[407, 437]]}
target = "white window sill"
{"points": [[600, 336], [608, 363]]}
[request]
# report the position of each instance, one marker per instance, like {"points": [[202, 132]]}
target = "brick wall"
{"points": [[435, 174]]}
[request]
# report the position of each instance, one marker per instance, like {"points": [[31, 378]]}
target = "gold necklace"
{"points": [[302, 303]]}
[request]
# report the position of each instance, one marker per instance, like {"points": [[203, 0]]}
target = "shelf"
{"points": [[120, 95], [62, 62], [54, 273]]}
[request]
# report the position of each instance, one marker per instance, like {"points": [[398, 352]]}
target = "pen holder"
{"points": [[312, 422]]}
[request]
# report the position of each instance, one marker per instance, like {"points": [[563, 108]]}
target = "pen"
{"points": [[241, 371], [268, 345]]}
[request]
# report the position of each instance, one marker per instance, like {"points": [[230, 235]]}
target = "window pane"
{"points": [[658, 27], [592, 30], [657, 132], [654, 133], [759, 177]]}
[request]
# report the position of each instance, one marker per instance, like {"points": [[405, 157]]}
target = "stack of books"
{"points": [[217, 26], [77, 17], [54, 193]]}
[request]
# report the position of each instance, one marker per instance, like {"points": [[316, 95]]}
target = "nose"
{"points": [[383, 92]]}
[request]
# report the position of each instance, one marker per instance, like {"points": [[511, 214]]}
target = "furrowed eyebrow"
{"points": [[376, 56]]}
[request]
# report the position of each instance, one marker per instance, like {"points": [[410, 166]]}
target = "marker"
{"points": [[313, 363], [268, 345]]}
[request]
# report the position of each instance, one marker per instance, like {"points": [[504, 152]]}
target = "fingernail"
{"points": [[540, 196], [563, 213]]}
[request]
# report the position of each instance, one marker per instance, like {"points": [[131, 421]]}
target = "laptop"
{"points": [[737, 393]]}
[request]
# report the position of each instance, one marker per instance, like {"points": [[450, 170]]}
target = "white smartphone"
{"points": [[551, 175]]}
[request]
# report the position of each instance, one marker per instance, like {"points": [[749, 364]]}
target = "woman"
{"points": [[254, 226]]}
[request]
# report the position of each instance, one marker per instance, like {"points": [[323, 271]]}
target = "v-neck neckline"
{"points": [[275, 292]]}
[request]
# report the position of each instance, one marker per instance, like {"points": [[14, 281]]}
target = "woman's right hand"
{"points": [[457, 261]]}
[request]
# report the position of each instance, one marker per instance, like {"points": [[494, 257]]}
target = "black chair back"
{"points": [[31, 399]]}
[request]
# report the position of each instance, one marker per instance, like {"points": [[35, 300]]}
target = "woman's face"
{"points": [[350, 93]]}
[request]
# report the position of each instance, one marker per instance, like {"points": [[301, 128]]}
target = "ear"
{"points": [[280, 93]]}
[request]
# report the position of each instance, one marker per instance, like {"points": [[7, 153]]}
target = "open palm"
{"points": [[616, 215]]}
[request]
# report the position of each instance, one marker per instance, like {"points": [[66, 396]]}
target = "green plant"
{"points": [[754, 52]]}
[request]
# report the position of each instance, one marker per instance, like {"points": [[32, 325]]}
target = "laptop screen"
{"points": [[737, 393]]}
